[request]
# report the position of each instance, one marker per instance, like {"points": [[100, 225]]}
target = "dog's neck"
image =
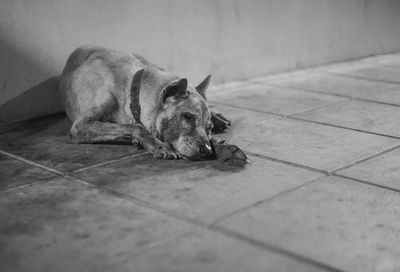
{"points": [[134, 95], [145, 95]]}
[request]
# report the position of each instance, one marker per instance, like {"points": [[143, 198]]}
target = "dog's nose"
{"points": [[205, 150]]}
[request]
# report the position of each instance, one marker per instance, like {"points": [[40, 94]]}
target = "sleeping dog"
{"points": [[116, 97]]}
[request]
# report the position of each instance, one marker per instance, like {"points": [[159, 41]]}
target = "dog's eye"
{"points": [[188, 116]]}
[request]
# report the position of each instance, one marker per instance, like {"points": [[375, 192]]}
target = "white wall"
{"points": [[232, 39]]}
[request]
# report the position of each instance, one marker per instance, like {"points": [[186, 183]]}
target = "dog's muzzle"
{"points": [[205, 152]]}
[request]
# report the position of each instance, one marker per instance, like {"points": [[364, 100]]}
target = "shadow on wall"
{"points": [[21, 96], [41, 99]]}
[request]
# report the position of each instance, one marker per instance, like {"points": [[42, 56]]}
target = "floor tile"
{"points": [[382, 170], [390, 96], [201, 190], [372, 71], [227, 86], [66, 226], [43, 141], [331, 84], [204, 251], [365, 116], [342, 223], [314, 145], [14, 173], [279, 100]]}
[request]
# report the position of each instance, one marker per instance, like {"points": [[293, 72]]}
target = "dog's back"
{"points": [[94, 77]]}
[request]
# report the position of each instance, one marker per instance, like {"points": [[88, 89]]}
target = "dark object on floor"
{"points": [[229, 154]]}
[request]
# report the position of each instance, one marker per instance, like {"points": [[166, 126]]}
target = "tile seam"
{"points": [[306, 120]]}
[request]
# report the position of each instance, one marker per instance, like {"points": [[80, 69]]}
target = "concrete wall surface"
{"points": [[232, 39]]}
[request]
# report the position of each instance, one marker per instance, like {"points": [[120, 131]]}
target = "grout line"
{"points": [[108, 162], [343, 127], [378, 102], [362, 77], [22, 186], [250, 109], [213, 228], [308, 90], [333, 94], [236, 87], [349, 97], [195, 222], [273, 248], [137, 201], [319, 107], [260, 202], [367, 183], [364, 159], [31, 163], [305, 120], [288, 163]]}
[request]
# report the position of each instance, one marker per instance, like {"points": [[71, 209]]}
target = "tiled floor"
{"points": [[322, 192]]}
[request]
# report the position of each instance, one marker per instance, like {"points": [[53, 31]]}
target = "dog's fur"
{"points": [[116, 97]]}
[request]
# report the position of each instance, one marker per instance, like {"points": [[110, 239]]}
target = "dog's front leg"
{"points": [[227, 153], [86, 131]]}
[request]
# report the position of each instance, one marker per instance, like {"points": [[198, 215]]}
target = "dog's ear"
{"points": [[202, 87], [175, 89]]}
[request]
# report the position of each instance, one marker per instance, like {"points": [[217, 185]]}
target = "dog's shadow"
{"points": [[148, 166]]}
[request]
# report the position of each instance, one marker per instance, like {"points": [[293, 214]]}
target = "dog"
{"points": [[116, 97]]}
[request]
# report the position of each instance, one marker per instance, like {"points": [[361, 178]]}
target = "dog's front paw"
{"points": [[229, 154], [220, 122]]}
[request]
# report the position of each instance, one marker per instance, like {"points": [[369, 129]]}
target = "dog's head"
{"points": [[184, 121]]}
